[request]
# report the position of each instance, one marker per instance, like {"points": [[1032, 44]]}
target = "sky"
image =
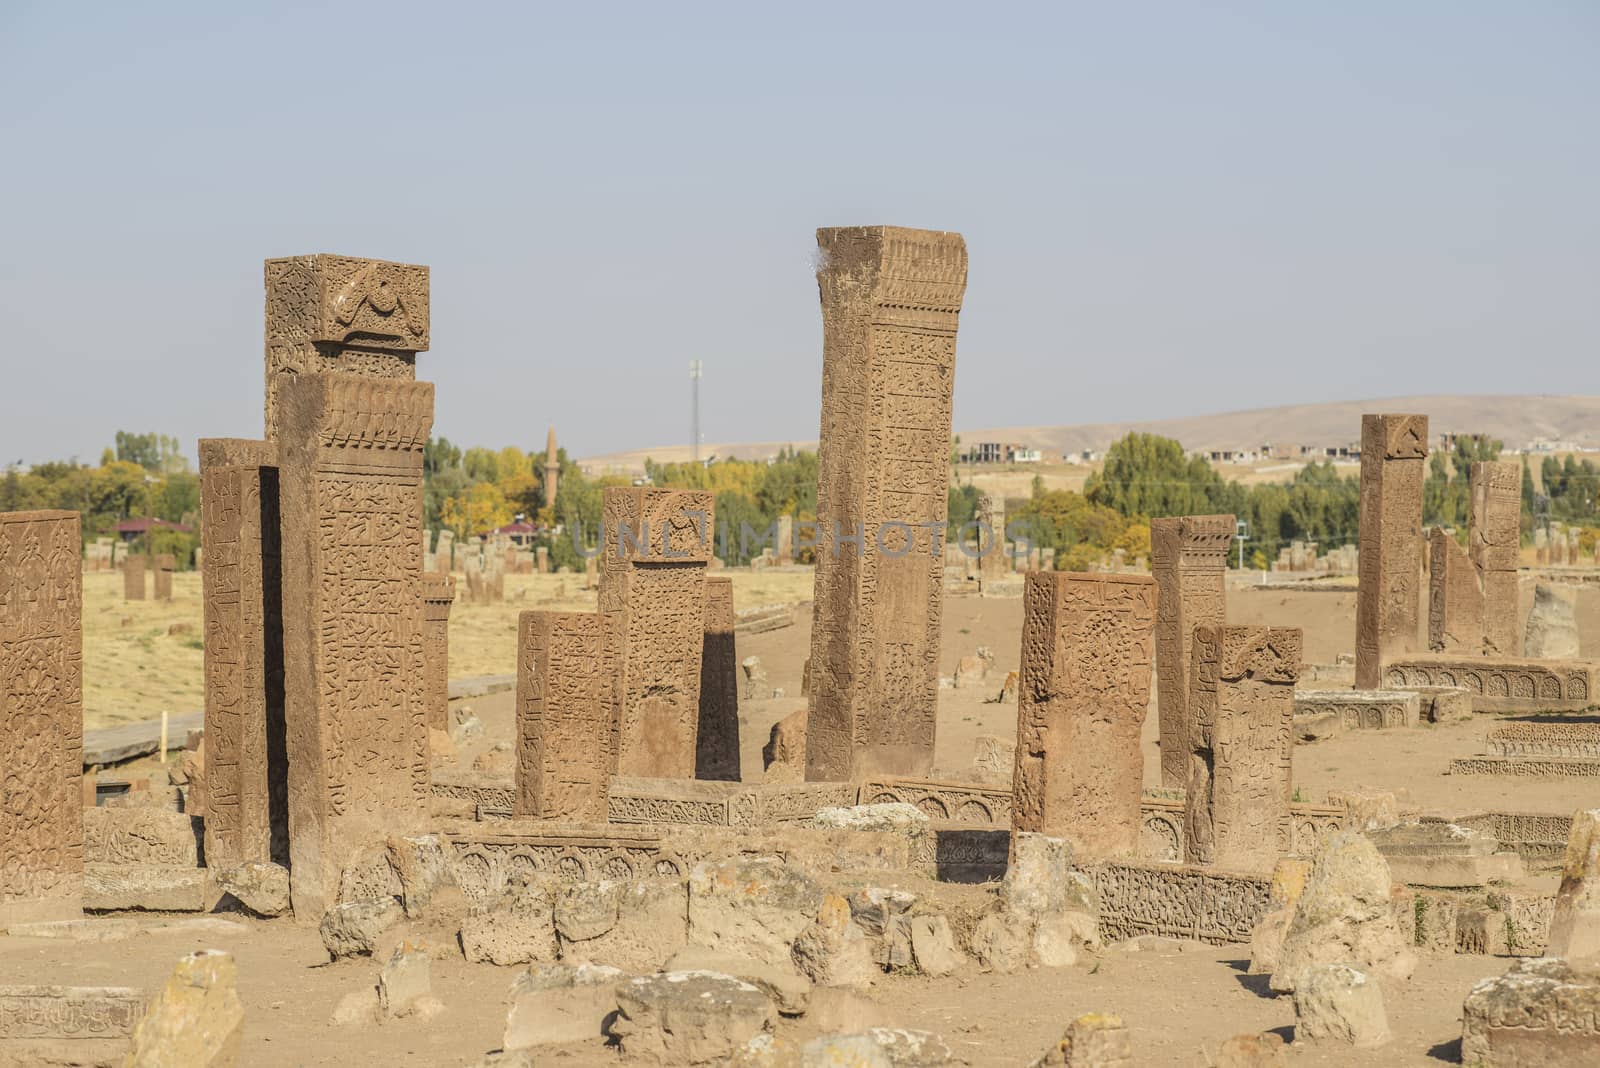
{"points": [[1169, 208]]}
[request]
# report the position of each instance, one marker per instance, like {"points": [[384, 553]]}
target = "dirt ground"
{"points": [[1180, 1006]]}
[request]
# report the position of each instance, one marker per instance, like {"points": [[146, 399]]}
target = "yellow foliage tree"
{"points": [[478, 508]]}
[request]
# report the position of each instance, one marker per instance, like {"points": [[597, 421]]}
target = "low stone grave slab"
{"points": [[488, 856], [67, 1024], [1547, 740], [1503, 684], [1445, 855], [1362, 709], [1539, 838], [1178, 901], [1526, 767]]}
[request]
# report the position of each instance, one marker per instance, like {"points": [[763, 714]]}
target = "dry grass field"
{"points": [[144, 657]]}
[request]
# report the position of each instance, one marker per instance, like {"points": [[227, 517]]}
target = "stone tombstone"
{"points": [[41, 716], [1494, 541], [438, 594], [246, 767], [1191, 560], [133, 577], [993, 559], [785, 540], [1394, 454], [444, 551], [891, 299], [1455, 597], [1088, 643], [1236, 812], [1575, 920], [165, 565], [343, 314], [717, 740], [653, 587], [567, 680], [350, 497], [541, 560]]}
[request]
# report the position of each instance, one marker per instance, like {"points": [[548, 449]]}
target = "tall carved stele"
{"points": [[891, 299], [344, 314], [1189, 559], [41, 716], [566, 693], [1455, 597], [1088, 645], [653, 589], [246, 771], [1394, 454], [717, 744], [350, 496], [1236, 810], [438, 594], [1494, 542]]}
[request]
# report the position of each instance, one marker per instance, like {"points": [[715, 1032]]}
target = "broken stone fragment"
{"points": [[352, 929], [933, 946], [1002, 941], [635, 926], [405, 980], [196, 1021], [688, 1017], [261, 888], [555, 1003], [1575, 925], [421, 866], [1543, 1012], [1094, 1040], [751, 907], [789, 990], [1345, 914], [833, 951], [515, 928], [1339, 1002]]}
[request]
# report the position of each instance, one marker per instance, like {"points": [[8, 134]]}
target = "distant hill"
{"points": [[1516, 419]]}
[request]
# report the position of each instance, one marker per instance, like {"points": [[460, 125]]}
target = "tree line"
{"points": [[1144, 476]]}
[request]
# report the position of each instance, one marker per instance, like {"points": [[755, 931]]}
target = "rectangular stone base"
{"points": [[1503, 684], [1539, 838], [148, 887], [1362, 709], [1462, 871], [40, 910], [489, 855], [1204, 904], [1525, 767], [49, 1025], [1547, 740]]}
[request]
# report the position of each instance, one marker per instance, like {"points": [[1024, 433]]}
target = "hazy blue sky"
{"points": [[1169, 208]]}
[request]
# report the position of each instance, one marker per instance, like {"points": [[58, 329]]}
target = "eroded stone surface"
{"points": [[1340, 1003], [688, 1017], [196, 1021], [555, 1003], [1344, 915], [751, 907], [1575, 926], [1542, 1013], [891, 298]]}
